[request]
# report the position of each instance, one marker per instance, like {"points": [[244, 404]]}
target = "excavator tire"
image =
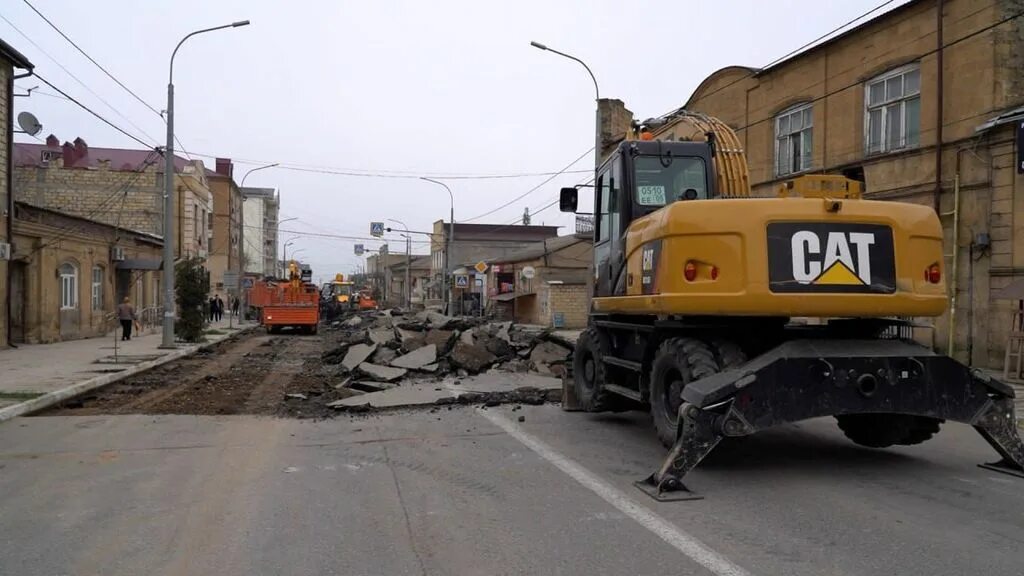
{"points": [[589, 372], [677, 362], [884, 430], [728, 353]]}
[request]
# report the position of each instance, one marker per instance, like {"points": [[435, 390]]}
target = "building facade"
{"points": [[475, 242], [123, 188], [922, 104], [11, 61], [228, 233], [546, 284], [69, 274], [259, 242]]}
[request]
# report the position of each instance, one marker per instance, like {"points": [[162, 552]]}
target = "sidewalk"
{"points": [[32, 371]]}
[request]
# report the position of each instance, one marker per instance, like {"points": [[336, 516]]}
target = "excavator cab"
{"points": [[638, 178]]}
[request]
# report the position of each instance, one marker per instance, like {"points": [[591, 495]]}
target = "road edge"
{"points": [[51, 398]]}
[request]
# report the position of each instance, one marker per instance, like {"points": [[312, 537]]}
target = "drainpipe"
{"points": [[9, 127], [954, 282], [938, 110]]}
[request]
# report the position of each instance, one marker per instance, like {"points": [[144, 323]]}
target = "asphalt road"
{"points": [[472, 491]]}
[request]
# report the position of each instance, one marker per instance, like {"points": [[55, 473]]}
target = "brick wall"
{"points": [[129, 199], [572, 300]]}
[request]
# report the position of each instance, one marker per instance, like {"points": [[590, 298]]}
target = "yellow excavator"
{"points": [[725, 314]]}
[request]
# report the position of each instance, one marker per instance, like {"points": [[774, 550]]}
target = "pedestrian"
{"points": [[213, 308], [235, 305], [220, 308], [126, 314]]}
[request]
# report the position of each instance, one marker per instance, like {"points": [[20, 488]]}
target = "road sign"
{"points": [[481, 267], [359, 249], [528, 272], [376, 229], [230, 280], [461, 281], [248, 283]]}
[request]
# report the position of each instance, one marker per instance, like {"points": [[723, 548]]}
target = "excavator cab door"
{"points": [[611, 217]]}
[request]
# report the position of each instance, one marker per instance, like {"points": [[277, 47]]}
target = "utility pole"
{"points": [[448, 243], [168, 268], [408, 247]]}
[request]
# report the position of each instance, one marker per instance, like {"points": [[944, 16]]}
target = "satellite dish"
{"points": [[29, 124]]}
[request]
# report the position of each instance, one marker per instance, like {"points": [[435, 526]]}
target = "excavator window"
{"points": [[661, 180]]}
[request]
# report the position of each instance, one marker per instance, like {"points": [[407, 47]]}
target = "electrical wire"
{"points": [[94, 113], [77, 79], [787, 55], [90, 58], [531, 190]]}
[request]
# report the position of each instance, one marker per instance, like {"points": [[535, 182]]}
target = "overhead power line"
{"points": [[790, 53], [94, 113], [532, 190], [90, 58], [77, 79], [109, 75]]}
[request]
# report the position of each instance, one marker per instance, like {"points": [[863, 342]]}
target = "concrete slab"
{"points": [[426, 394], [381, 373], [418, 358], [382, 335], [357, 354]]}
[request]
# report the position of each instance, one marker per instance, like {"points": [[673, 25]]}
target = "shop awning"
{"points": [[139, 264]]}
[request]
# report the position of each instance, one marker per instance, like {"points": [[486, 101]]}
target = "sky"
{"points": [[398, 88]]}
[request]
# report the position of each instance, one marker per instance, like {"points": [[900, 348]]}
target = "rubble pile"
{"points": [[389, 347]]}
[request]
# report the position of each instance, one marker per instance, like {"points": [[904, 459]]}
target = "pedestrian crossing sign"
{"points": [[462, 281]]}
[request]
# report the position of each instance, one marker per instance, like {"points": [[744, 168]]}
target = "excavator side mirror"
{"points": [[568, 198]]}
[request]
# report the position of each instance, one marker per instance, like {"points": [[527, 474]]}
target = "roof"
{"points": [[30, 154], [17, 58], [809, 49], [1006, 117], [143, 236], [539, 249]]}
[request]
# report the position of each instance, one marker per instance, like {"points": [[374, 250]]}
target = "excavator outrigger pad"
{"points": [[802, 379]]}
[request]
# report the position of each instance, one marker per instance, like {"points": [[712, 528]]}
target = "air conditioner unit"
{"points": [[202, 253], [116, 254], [5, 251]]}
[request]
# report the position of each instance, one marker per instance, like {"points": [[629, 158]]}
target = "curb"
{"points": [[51, 398]]}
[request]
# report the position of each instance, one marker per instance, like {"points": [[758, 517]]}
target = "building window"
{"points": [[97, 288], [68, 286], [793, 140], [893, 110]]}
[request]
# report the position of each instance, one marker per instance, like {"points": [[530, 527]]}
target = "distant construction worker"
{"points": [[126, 314]]}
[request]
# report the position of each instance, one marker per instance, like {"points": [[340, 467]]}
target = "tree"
{"points": [[192, 284]]}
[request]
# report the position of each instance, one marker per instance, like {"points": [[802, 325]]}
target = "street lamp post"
{"points": [[284, 255], [246, 175], [408, 259], [448, 241], [284, 251], [597, 99], [168, 271]]}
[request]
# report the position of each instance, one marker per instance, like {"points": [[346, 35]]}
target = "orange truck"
{"points": [[291, 303]]}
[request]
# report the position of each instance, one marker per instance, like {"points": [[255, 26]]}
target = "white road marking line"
{"points": [[670, 533]]}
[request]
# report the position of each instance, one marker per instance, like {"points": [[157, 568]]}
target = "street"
{"points": [[472, 490]]}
